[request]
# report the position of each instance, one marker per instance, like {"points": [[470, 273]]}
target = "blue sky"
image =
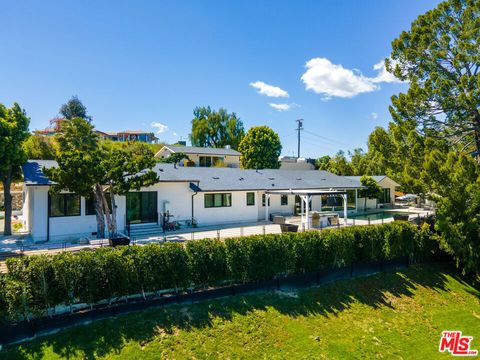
{"points": [[144, 64]]}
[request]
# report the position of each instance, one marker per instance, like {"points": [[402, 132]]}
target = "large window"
{"points": [[250, 198], [205, 161], [91, 201], [284, 200], [384, 197], [64, 205], [218, 200]]}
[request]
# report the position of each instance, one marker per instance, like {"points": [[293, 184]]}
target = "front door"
{"points": [[142, 207]]}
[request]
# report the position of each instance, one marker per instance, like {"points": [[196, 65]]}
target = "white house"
{"points": [[203, 156], [210, 196]]}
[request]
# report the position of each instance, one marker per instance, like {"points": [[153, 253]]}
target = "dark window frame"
{"points": [[224, 201], [283, 200], [252, 202], [65, 196]]}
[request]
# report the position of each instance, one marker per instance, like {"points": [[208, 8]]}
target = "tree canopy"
{"points": [[260, 149], [371, 191], [13, 133], [86, 167], [74, 108], [439, 56], [216, 129]]}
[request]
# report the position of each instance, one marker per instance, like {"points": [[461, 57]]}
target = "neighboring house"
{"points": [[295, 163], [203, 156], [210, 196], [387, 198], [128, 135]]}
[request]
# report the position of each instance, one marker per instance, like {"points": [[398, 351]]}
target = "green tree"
{"points": [[359, 162], [454, 179], [260, 149], [322, 162], [175, 158], [40, 147], [86, 167], [216, 128], [74, 108], [439, 56], [371, 191], [340, 165], [13, 133], [80, 167]]}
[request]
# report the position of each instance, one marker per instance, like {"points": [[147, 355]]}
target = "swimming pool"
{"points": [[378, 215]]}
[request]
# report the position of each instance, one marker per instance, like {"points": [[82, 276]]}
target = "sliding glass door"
{"points": [[142, 207]]}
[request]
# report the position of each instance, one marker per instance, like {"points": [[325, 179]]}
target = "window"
{"points": [[205, 161], [218, 200], [250, 198], [384, 196], [91, 201], [263, 200], [284, 200], [64, 205]]}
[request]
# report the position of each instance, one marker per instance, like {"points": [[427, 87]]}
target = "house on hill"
{"points": [[203, 156]]}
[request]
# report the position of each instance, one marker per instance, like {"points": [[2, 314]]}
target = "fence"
{"points": [[218, 233]]}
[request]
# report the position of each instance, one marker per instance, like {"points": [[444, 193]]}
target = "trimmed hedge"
{"points": [[36, 284]]}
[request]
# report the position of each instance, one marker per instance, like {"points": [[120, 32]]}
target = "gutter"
{"points": [[193, 207]]}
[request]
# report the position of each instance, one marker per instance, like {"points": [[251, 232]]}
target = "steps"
{"points": [[145, 230]]}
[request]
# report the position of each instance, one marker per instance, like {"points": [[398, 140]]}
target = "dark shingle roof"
{"points": [[203, 150], [222, 179], [33, 173]]}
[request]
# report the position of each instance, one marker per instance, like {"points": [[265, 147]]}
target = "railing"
{"points": [[175, 236]]}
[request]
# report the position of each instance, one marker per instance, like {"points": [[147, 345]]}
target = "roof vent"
{"points": [[215, 177], [273, 184], [241, 179], [271, 178], [299, 179]]}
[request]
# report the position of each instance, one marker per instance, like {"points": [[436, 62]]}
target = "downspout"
{"points": [[193, 208], [48, 217]]}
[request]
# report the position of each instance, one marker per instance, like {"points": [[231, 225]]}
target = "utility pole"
{"points": [[299, 128]]}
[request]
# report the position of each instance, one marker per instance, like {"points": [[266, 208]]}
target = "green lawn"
{"points": [[390, 315]]}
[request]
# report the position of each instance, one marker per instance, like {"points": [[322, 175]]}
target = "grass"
{"points": [[390, 315]]}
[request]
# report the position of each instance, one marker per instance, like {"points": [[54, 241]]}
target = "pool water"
{"points": [[378, 215]]}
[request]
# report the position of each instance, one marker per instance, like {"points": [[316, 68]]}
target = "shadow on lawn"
{"points": [[108, 336]]}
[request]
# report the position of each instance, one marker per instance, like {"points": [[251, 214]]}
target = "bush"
{"points": [[35, 284]]}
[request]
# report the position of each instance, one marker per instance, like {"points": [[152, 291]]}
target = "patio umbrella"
{"points": [[407, 197]]}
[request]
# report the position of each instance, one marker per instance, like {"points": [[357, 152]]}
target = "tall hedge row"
{"points": [[35, 284]]}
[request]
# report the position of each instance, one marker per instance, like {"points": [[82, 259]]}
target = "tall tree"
{"points": [[86, 167], [216, 128], [74, 108], [440, 58], [454, 179], [260, 149], [80, 168], [13, 132]]}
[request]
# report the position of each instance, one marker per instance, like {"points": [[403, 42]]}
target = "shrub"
{"points": [[35, 284]]}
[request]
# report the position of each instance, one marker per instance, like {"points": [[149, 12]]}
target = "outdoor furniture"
{"points": [[401, 217], [120, 240], [289, 228], [315, 219], [279, 219]]}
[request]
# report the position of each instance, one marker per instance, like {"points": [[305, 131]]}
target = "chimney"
{"points": [[228, 147]]}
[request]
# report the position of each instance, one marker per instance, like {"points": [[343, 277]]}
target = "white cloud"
{"points": [[159, 127], [174, 134], [374, 115], [269, 90], [283, 106], [383, 75], [332, 80]]}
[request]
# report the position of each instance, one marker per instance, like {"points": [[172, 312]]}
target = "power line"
{"points": [[326, 138]]}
